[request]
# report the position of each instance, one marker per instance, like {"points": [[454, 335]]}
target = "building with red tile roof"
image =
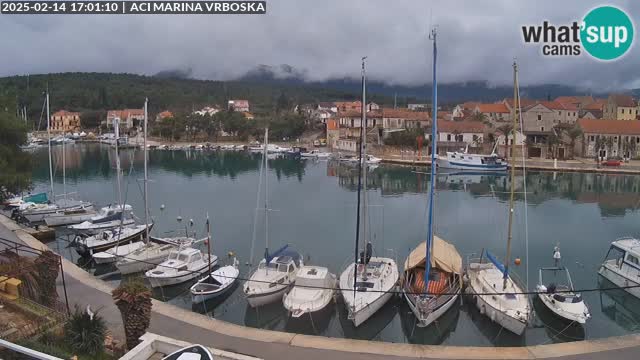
{"points": [[609, 138], [620, 107], [238, 105], [65, 121], [128, 117]]}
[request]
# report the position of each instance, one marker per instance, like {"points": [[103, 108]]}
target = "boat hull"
{"points": [[424, 322], [140, 266], [60, 220], [446, 164], [363, 314], [512, 324], [610, 273], [175, 280], [580, 318], [261, 299]]}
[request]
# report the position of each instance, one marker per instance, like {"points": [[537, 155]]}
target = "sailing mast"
{"points": [[146, 176], [266, 195], [516, 106], [117, 130], [360, 165], [434, 151], [49, 144], [363, 159]]}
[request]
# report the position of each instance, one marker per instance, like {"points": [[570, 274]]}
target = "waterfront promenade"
{"points": [[181, 324]]}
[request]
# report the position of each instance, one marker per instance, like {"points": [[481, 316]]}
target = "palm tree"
{"points": [[552, 143], [134, 302], [598, 146]]}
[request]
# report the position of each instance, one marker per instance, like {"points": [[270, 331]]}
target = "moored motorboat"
{"points": [[273, 277], [182, 265], [314, 289], [622, 265], [316, 154], [215, 284], [559, 295], [68, 217], [86, 246], [473, 162]]}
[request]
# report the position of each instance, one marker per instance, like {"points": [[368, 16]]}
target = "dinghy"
{"points": [[313, 291], [193, 352], [215, 284]]}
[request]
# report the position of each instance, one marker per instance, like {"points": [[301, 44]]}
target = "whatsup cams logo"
{"points": [[605, 33]]}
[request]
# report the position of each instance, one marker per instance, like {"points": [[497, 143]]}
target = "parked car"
{"points": [[612, 162]]}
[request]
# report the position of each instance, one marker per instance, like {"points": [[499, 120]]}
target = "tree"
{"points": [[574, 133], [85, 332], [478, 116], [552, 143], [133, 300], [47, 265], [15, 165], [505, 130], [92, 119]]}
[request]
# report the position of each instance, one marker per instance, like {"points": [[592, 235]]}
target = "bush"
{"points": [[85, 333]]}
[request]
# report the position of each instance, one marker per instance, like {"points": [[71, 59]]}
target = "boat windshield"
{"points": [[282, 268], [272, 266], [567, 298], [173, 256], [364, 285]]}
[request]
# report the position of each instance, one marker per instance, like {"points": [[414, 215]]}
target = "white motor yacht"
{"points": [[314, 289], [273, 277], [182, 265]]}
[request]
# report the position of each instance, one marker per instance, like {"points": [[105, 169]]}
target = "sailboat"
{"points": [[153, 252], [494, 290], [367, 283], [277, 271], [37, 212], [433, 270], [114, 215]]}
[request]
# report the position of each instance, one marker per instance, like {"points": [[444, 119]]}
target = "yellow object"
{"points": [[445, 256], [9, 287]]}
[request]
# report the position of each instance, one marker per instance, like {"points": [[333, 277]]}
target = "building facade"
{"points": [[128, 118], [620, 107], [65, 121], [607, 139], [238, 105]]}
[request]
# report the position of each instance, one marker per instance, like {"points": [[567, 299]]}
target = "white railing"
{"points": [[26, 351]]}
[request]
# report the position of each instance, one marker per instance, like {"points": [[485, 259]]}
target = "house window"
{"points": [[542, 128], [622, 110], [448, 137], [591, 138], [475, 137], [638, 140], [559, 113], [539, 117]]}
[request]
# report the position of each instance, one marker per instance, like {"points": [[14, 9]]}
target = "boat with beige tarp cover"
{"points": [[429, 301]]}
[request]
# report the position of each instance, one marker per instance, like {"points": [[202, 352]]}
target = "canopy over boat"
{"points": [[444, 257]]}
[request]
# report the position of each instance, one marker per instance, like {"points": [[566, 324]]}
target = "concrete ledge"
{"points": [[351, 345]]}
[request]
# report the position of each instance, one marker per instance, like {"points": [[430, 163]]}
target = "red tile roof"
{"points": [[65, 113], [612, 127], [165, 114], [461, 126], [123, 114], [597, 104], [493, 108], [623, 100], [470, 105]]}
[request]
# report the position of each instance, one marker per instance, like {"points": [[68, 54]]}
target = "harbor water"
{"points": [[314, 210]]}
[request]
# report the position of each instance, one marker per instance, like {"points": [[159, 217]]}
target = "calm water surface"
{"points": [[314, 206]]}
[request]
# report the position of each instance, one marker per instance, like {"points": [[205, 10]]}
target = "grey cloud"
{"points": [[321, 39]]}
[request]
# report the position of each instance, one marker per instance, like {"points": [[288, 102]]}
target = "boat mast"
{"points": [[266, 194], [360, 156], [434, 151], [209, 243], [146, 176], [516, 102], [49, 144], [64, 166], [116, 123], [363, 158]]}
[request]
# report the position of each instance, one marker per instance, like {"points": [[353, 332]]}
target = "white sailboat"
{"points": [[277, 271], [433, 271], [87, 246], [494, 290], [367, 283], [155, 250], [38, 212]]}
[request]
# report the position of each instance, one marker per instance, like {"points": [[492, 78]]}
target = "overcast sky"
{"points": [[325, 39]]}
